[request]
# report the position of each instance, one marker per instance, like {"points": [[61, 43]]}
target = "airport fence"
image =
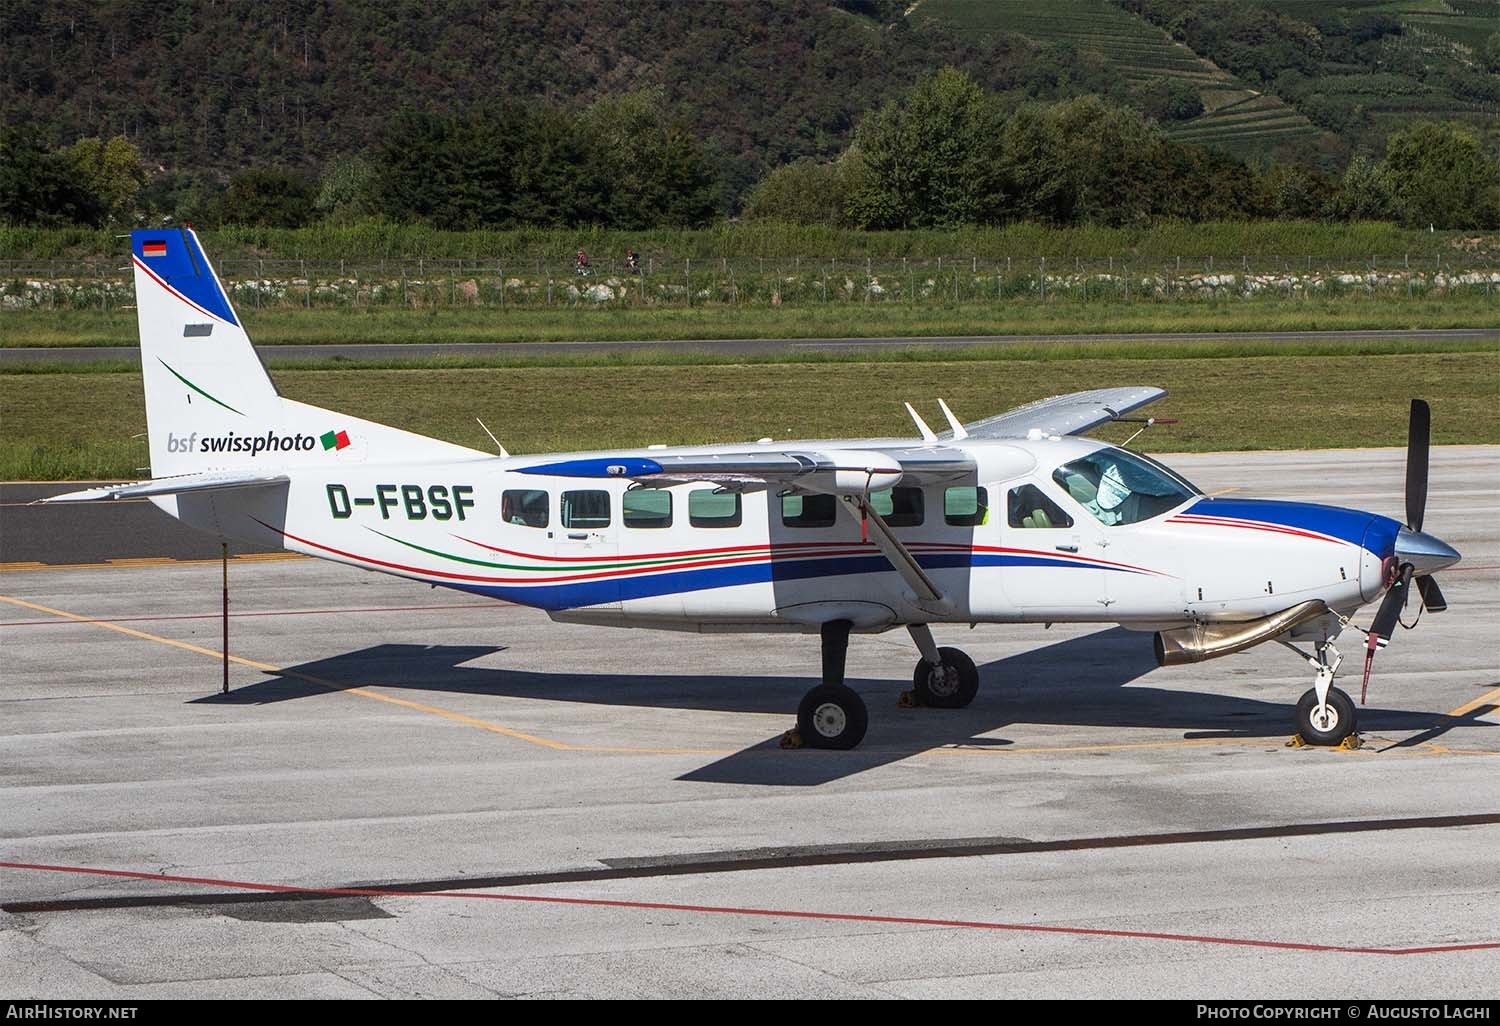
{"points": [[667, 282]]}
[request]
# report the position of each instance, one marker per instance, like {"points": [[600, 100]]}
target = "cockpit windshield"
{"points": [[1120, 487]]}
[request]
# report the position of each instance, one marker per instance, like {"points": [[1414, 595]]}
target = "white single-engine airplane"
{"points": [[1011, 519]]}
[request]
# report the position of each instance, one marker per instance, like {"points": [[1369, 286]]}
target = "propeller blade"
{"points": [[1390, 608], [1432, 595], [1418, 434]]}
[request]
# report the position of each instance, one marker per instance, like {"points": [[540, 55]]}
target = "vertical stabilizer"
{"points": [[201, 374]]}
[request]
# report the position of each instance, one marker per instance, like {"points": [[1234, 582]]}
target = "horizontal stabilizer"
{"points": [[171, 486]]}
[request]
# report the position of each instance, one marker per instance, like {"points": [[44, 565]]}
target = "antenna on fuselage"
{"points": [[959, 434], [926, 432], [493, 438]]}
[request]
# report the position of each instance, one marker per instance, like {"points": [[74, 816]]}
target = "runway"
{"points": [[742, 346], [410, 792]]}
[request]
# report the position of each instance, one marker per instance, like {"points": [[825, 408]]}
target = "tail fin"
{"points": [[202, 376], [210, 405]]}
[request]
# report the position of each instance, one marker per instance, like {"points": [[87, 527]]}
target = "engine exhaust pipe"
{"points": [[1211, 640]]}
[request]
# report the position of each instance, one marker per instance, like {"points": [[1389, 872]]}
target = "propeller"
{"points": [[1416, 554]]}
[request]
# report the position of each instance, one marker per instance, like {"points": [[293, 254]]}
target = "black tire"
{"points": [[953, 688], [832, 716], [1341, 716]]}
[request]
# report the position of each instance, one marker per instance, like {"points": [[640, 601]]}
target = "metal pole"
{"points": [[224, 559]]}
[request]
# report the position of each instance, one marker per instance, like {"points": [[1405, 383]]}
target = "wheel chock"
{"points": [[1295, 741], [1352, 743], [791, 739], [906, 700]]}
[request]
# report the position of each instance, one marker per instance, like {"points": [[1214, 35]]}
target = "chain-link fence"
{"points": [[794, 281]]}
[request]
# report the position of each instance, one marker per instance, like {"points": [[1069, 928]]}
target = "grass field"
{"points": [[287, 326], [90, 426]]}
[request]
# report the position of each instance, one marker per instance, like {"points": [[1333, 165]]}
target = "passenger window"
{"points": [[527, 507], [585, 509], [646, 508], [965, 506], [709, 507], [809, 510], [1028, 507], [901, 507]]}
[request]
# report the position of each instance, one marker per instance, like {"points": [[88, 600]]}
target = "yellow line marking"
{"points": [[1224, 491], [1187, 742], [139, 561], [1468, 707], [562, 746], [268, 668]]}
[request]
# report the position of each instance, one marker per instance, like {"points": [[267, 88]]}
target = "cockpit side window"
{"points": [[1028, 507], [1120, 487]]}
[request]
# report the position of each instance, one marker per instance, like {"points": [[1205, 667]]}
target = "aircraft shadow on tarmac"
{"points": [[1076, 682]]}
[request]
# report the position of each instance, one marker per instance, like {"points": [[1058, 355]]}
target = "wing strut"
{"points": [[928, 595]]}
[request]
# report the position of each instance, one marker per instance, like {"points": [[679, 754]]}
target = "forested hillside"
{"points": [[639, 113], [293, 82]]}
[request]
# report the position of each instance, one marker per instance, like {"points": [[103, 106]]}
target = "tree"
{"points": [[1365, 192], [1293, 192], [1490, 55], [657, 171], [38, 187], [1080, 161], [111, 171], [803, 192], [930, 157], [1440, 176], [344, 193], [1170, 99], [265, 198]]}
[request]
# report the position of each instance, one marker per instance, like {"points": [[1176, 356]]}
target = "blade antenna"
{"points": [[487, 431], [959, 434], [927, 435]]}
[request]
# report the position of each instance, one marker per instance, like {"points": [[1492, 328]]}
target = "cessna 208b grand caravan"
{"points": [[1011, 519]]}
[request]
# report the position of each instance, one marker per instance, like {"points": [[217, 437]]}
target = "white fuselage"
{"points": [[693, 557]]}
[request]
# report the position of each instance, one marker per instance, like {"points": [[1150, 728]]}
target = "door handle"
{"points": [[585, 537], [1067, 548]]}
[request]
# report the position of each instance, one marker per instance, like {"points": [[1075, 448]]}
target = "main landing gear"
{"points": [[832, 715], [1325, 715]]}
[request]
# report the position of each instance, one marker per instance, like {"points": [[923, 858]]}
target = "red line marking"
{"points": [[843, 917], [269, 612]]}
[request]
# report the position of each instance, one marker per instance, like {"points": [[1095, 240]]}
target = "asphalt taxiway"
{"points": [[410, 792]]}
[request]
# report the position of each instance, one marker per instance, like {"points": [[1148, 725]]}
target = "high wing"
{"points": [[1070, 414], [179, 485], [815, 467]]}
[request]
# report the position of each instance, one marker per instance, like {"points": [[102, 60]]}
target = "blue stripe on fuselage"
{"points": [[1368, 530], [589, 593]]}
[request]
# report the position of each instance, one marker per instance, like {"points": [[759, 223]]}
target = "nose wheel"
{"points": [[1325, 715], [1327, 723]]}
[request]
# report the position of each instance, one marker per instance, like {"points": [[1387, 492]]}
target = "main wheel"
{"points": [[1332, 725], [832, 716], [952, 684]]}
